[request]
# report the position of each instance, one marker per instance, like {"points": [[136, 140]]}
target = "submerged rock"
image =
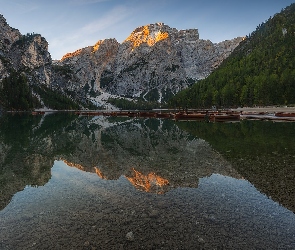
{"points": [[130, 236]]}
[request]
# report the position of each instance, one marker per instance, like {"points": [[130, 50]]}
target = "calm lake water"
{"points": [[69, 182]]}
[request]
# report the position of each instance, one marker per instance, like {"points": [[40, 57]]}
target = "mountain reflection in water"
{"points": [[148, 183], [100, 178], [262, 152]]}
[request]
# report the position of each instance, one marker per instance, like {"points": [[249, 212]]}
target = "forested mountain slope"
{"points": [[261, 70]]}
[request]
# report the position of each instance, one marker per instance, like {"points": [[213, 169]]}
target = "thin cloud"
{"points": [[110, 19], [89, 33], [26, 7], [85, 2]]}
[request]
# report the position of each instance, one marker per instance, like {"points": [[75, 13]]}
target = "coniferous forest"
{"points": [[261, 70], [16, 93]]}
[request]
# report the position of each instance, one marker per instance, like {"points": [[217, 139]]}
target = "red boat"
{"points": [[223, 117], [284, 114], [121, 113], [146, 114], [132, 114], [38, 112], [87, 113], [162, 115], [192, 116]]}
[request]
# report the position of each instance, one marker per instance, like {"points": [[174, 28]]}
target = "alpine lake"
{"points": [[78, 182]]}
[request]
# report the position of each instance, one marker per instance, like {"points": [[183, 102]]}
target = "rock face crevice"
{"points": [[154, 62]]}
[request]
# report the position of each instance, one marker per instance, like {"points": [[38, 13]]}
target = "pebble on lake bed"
{"points": [[130, 236]]}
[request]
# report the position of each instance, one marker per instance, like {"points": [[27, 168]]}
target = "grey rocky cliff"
{"points": [[89, 63], [154, 62], [28, 54], [24, 53], [8, 35]]}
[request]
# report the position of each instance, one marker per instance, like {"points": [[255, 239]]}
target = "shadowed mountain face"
{"points": [[154, 155]]}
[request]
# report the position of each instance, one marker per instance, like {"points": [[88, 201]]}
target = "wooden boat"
{"points": [[122, 113], [110, 114], [284, 114], [132, 114], [224, 117], [162, 115], [190, 116], [38, 112], [253, 113], [146, 114], [87, 113]]}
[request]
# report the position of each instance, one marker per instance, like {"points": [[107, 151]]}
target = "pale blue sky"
{"points": [[69, 25]]}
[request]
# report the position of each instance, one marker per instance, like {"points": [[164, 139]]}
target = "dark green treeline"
{"points": [[16, 93]]}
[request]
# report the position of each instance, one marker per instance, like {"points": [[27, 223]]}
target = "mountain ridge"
{"points": [[154, 62]]}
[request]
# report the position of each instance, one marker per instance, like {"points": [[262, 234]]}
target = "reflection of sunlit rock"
{"points": [[71, 164], [148, 183], [151, 182], [99, 173], [138, 148], [109, 147]]}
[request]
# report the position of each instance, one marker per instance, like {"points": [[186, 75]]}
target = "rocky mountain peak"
{"points": [[27, 54], [71, 54], [149, 34], [154, 62], [8, 35], [153, 33], [2, 21], [97, 45], [100, 45]]}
